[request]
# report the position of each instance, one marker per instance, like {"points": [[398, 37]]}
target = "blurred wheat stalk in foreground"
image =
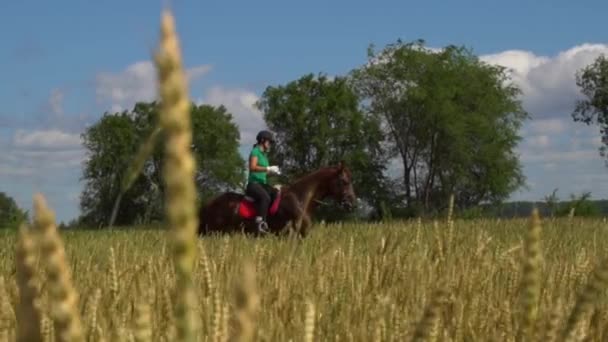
{"points": [[178, 171], [180, 203]]}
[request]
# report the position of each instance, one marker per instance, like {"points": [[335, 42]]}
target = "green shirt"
{"points": [[258, 177]]}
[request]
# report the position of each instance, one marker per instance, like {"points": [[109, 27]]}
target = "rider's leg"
{"points": [[272, 192], [261, 202]]}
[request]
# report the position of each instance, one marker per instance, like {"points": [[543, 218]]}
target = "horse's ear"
{"points": [[341, 165]]}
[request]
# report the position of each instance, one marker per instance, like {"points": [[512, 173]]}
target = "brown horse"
{"points": [[233, 212]]}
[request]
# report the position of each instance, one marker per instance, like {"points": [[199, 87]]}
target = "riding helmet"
{"points": [[264, 135]]}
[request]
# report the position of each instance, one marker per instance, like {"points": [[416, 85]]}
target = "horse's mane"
{"points": [[311, 177]]}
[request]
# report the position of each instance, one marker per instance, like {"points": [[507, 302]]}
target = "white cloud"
{"points": [[560, 156], [550, 166], [548, 82], [137, 82], [596, 141], [548, 126], [240, 103], [197, 72], [543, 138], [55, 159], [41, 157], [46, 139], [10, 171], [46, 161], [538, 141]]}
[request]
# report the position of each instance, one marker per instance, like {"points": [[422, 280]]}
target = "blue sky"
{"points": [[65, 63]]}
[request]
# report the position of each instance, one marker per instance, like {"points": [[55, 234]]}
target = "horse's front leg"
{"points": [[304, 224], [299, 227], [300, 220]]}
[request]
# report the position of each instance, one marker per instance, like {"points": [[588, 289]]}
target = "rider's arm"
{"points": [[253, 165]]}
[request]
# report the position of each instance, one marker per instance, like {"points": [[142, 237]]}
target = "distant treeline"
{"points": [[524, 208]]}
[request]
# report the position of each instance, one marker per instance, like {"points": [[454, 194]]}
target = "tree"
{"points": [[593, 108], [113, 143], [552, 202], [582, 205], [10, 214], [317, 122], [451, 119]]}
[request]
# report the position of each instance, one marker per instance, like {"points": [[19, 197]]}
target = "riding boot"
{"points": [[262, 225]]}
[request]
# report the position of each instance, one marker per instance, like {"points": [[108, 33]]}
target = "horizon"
{"points": [[65, 69]]}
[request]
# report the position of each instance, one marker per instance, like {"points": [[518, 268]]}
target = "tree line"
{"points": [[415, 125]]}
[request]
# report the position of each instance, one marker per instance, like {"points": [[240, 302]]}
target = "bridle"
{"points": [[342, 185]]}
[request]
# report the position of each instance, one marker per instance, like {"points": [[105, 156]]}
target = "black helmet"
{"points": [[264, 135]]}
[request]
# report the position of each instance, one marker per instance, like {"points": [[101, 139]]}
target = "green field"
{"points": [[343, 282]]}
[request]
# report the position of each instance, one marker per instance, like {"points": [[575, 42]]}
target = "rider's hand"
{"points": [[274, 169]]}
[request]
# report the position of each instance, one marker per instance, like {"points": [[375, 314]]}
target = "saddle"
{"points": [[246, 209]]}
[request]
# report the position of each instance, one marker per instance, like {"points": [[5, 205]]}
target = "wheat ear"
{"points": [[179, 168], [309, 322], [427, 328], [531, 278], [62, 295], [28, 310], [586, 301], [247, 305]]}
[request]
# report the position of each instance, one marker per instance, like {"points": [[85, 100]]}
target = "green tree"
{"points": [[10, 213], [113, 143], [317, 122], [582, 205], [452, 120], [593, 108], [552, 202]]}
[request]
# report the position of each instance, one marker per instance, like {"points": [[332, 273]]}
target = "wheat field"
{"points": [[445, 281]]}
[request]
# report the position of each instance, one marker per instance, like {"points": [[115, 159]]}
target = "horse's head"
{"points": [[341, 188]]}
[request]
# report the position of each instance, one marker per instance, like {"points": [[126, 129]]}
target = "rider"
{"points": [[257, 184]]}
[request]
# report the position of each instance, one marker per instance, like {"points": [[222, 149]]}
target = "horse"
{"points": [[232, 212]]}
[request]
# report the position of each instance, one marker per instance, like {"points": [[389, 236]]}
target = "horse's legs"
{"points": [[304, 224], [300, 221]]}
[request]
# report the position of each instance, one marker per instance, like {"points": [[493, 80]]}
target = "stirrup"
{"points": [[263, 227]]}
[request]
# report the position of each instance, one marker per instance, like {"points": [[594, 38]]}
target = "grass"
{"points": [[386, 282]]}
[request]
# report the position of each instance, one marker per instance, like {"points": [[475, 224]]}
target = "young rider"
{"points": [[257, 183]]}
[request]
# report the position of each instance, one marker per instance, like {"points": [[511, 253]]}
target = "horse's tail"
{"points": [[205, 208], [209, 211]]}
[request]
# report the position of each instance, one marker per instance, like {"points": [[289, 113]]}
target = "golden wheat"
{"points": [[28, 309], [62, 294], [246, 305], [531, 279], [366, 282], [178, 171]]}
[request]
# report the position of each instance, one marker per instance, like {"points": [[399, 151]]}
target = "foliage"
{"points": [[593, 108], [10, 213], [552, 202], [317, 122], [451, 119], [581, 204], [112, 144], [522, 208]]}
